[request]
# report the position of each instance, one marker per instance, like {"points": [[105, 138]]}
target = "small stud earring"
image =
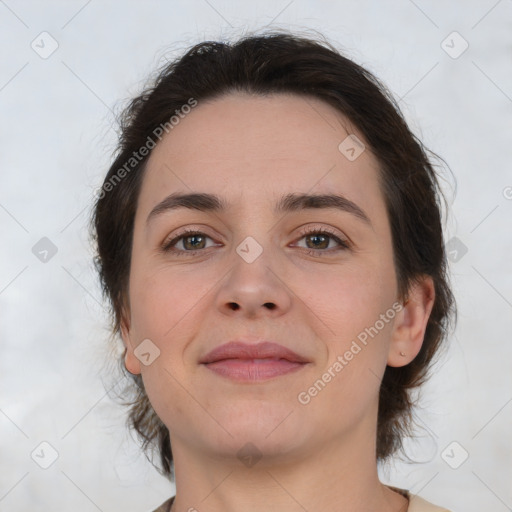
{"points": [[402, 354]]}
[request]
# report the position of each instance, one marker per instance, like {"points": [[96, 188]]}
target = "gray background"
{"points": [[56, 140]]}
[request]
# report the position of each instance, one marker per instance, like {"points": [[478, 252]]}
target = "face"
{"points": [[319, 281]]}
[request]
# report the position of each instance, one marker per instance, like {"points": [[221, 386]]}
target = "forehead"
{"points": [[256, 148]]}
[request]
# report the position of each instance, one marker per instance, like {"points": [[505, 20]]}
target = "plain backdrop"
{"points": [[67, 67]]}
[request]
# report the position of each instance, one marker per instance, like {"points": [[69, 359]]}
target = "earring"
{"points": [[402, 354]]}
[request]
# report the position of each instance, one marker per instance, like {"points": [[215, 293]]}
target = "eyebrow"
{"points": [[289, 203]]}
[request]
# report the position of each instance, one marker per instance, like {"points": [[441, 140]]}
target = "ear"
{"points": [[411, 323], [131, 362]]}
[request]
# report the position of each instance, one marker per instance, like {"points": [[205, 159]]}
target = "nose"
{"points": [[254, 289]]}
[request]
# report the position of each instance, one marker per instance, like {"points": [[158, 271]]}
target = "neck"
{"points": [[336, 476]]}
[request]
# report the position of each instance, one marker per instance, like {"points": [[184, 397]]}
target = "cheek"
{"points": [[167, 307], [350, 303], [161, 299], [349, 296], [164, 309]]}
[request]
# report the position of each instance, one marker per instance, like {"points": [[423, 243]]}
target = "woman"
{"points": [[270, 239]]}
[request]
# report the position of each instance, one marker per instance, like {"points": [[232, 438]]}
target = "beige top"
{"points": [[416, 503]]}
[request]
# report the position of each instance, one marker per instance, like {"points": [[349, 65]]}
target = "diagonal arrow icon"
{"points": [[351, 147], [147, 352], [44, 455], [249, 249]]}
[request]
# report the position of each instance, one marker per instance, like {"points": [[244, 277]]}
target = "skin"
{"points": [[251, 150]]}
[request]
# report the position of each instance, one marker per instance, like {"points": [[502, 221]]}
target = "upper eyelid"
{"points": [[302, 231]]}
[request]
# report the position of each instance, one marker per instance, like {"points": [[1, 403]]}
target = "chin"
{"points": [[273, 431], [251, 447]]}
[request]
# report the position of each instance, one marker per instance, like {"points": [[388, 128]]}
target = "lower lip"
{"points": [[250, 370]]}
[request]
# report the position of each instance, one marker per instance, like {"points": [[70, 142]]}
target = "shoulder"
{"points": [[417, 503], [165, 506]]}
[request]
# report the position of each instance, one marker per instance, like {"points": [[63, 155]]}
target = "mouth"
{"points": [[242, 362]]}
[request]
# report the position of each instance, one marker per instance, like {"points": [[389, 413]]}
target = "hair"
{"points": [[262, 64]]}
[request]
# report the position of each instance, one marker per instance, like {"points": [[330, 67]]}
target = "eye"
{"points": [[191, 241], [319, 239]]}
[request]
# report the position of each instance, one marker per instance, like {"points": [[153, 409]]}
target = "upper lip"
{"points": [[241, 350]]}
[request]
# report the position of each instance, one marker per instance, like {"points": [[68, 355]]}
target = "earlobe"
{"points": [[131, 363], [411, 323]]}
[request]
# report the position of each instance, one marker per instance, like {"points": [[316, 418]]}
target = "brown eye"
{"points": [[188, 242], [319, 239], [193, 242]]}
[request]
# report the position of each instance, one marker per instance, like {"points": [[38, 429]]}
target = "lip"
{"points": [[252, 362]]}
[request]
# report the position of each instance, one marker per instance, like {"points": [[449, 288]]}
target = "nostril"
{"points": [[270, 305], [234, 306]]}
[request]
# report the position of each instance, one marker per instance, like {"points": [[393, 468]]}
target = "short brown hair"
{"points": [[277, 62]]}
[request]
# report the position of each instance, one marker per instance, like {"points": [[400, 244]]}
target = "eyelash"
{"points": [[168, 247]]}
